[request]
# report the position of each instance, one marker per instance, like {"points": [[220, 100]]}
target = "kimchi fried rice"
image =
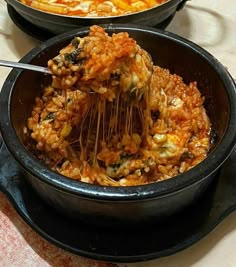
{"points": [[112, 118]]}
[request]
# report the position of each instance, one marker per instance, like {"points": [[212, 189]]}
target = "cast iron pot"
{"points": [[56, 24], [122, 205]]}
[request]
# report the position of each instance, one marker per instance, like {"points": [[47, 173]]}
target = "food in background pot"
{"points": [[95, 8]]}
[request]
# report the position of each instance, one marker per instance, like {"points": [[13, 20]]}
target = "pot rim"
{"points": [[157, 189], [38, 12]]}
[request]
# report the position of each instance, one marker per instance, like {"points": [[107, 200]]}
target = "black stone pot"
{"points": [[56, 24], [124, 205]]}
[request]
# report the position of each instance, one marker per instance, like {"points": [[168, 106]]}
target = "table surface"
{"points": [[211, 24]]}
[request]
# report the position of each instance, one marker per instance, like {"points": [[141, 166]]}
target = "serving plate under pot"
{"points": [[132, 244]]}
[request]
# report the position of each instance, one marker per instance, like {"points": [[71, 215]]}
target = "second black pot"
{"points": [[56, 24]]}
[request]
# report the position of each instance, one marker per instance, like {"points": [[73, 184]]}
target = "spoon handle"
{"points": [[19, 65]]}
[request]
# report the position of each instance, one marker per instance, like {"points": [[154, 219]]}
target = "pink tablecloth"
{"points": [[21, 246]]}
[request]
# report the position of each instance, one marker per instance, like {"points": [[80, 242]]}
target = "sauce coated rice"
{"points": [[133, 123]]}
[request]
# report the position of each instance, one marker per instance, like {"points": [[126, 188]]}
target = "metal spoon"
{"points": [[25, 66], [11, 64]]}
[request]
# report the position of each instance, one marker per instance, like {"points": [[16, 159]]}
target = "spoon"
{"points": [[25, 66], [12, 64]]}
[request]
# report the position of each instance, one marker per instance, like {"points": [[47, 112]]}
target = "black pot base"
{"points": [[41, 34], [121, 245], [37, 33]]}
